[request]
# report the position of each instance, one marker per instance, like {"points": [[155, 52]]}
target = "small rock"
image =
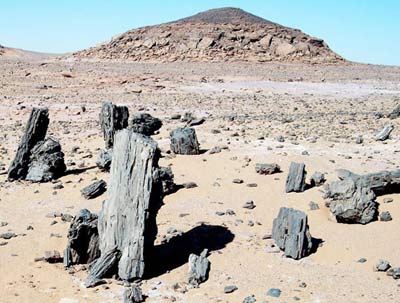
{"points": [[230, 288], [382, 265], [274, 292], [385, 216]]}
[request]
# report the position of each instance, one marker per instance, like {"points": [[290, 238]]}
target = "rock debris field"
{"points": [[198, 182]]}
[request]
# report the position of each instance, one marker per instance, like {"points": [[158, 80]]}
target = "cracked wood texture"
{"points": [[128, 216], [35, 131]]}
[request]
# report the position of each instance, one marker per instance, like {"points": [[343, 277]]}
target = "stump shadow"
{"points": [[316, 243], [78, 171], [175, 253]]}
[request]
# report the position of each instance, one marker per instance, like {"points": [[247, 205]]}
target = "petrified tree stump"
{"points": [[35, 131], [291, 233], [184, 141], [83, 239], [46, 161], [128, 217], [296, 179], [112, 119]]}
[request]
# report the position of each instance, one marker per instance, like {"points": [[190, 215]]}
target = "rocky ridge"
{"points": [[225, 34]]}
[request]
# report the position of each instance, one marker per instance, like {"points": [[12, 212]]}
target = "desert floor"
{"points": [[318, 109]]}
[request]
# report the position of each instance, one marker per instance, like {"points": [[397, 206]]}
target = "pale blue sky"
{"points": [[360, 30]]}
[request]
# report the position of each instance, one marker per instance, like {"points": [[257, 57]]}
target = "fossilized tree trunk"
{"points": [[112, 119], [128, 217], [35, 131]]}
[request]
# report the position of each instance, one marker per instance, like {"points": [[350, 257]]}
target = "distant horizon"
{"points": [[359, 32]]}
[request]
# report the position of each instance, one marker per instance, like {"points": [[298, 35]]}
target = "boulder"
{"points": [[127, 221], [145, 124], [291, 233], [112, 119], [199, 266], [83, 239], [35, 131], [46, 161], [184, 141], [296, 179], [351, 201]]}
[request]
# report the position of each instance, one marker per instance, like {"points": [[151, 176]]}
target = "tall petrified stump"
{"points": [[127, 221], [112, 119], [35, 131]]}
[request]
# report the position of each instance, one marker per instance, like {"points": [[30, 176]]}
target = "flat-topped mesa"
{"points": [[35, 131], [219, 35], [127, 222]]}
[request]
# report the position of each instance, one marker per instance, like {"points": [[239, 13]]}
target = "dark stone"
{"points": [[145, 124], [296, 179], [35, 132], [291, 233], [184, 141], [382, 265], [94, 190], [385, 216], [230, 289], [46, 161]]}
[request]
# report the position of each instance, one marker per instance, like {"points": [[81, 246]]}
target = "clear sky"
{"points": [[360, 30]]}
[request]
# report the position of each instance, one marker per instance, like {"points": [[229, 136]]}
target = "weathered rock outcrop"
{"points": [[35, 131], [184, 141], [145, 124], [226, 34], [83, 239], [127, 221], [291, 233], [296, 179], [46, 161], [112, 119]]}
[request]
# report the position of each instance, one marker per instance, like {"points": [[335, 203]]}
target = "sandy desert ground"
{"points": [[320, 109]]}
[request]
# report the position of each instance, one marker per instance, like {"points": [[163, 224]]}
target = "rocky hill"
{"points": [[226, 34]]}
